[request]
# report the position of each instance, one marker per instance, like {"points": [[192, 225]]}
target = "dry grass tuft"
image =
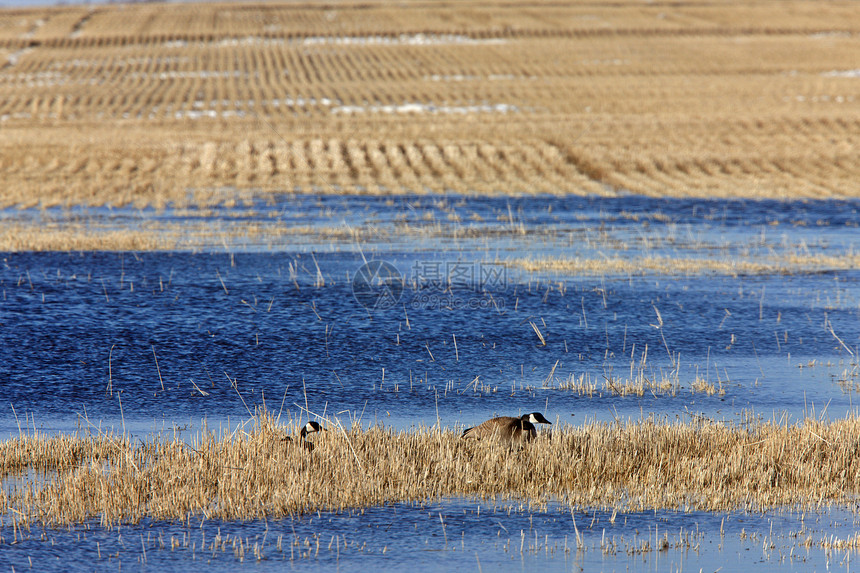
{"points": [[703, 386], [851, 543], [256, 474], [76, 237], [160, 236], [781, 264]]}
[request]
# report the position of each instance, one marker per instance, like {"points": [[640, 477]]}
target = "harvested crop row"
{"points": [[97, 108]]}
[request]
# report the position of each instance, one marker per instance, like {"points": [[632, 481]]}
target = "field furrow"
{"points": [[729, 99]]}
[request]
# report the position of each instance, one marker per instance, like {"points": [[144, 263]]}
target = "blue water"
{"points": [[544, 225], [152, 342], [82, 333], [454, 534]]}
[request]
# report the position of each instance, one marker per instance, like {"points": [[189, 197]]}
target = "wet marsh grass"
{"points": [[255, 474], [641, 384], [150, 235], [271, 222], [782, 263]]}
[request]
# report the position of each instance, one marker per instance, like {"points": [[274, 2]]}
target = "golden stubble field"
{"points": [[157, 105]]}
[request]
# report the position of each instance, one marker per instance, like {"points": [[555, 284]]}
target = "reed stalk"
{"points": [[256, 474]]}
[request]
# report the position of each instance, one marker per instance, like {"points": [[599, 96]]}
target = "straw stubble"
{"points": [[627, 466], [677, 100]]}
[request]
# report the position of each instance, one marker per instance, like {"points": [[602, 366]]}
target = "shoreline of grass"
{"points": [[20, 239], [773, 265], [641, 465]]}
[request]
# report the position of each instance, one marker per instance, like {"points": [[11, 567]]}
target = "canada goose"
{"points": [[508, 429], [308, 428]]}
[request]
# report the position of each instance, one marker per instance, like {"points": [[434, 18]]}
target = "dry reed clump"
{"points": [[850, 543], [257, 474], [158, 236], [705, 387], [42, 453], [638, 385], [780, 264], [75, 237]]}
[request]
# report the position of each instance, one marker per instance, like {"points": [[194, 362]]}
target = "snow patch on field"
{"points": [[474, 78], [373, 40], [842, 74], [415, 107], [209, 109], [402, 40]]}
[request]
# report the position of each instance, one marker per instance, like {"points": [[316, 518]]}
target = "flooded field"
{"points": [[422, 313], [220, 221], [467, 535]]}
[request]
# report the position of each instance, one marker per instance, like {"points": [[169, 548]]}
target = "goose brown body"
{"points": [[508, 429]]}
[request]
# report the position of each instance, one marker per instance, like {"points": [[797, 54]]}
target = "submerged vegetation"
{"points": [[254, 474], [784, 263]]}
